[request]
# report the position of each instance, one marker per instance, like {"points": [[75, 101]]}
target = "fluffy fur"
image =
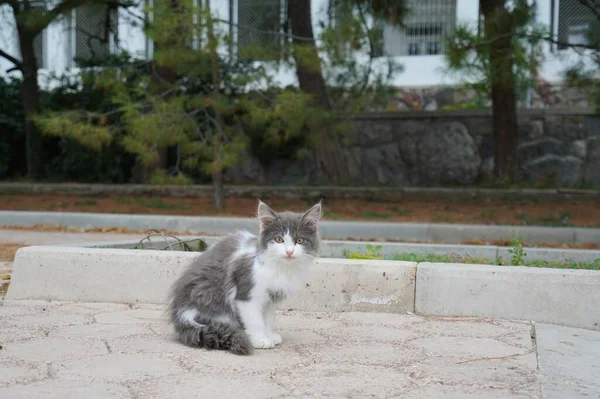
{"points": [[227, 298]]}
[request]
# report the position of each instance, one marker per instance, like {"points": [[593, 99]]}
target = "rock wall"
{"points": [[445, 148]]}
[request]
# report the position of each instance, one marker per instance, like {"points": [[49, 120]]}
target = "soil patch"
{"points": [[583, 214]]}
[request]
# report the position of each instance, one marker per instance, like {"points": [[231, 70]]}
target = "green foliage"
{"points": [[12, 129], [372, 253], [352, 54], [161, 178], [517, 252], [468, 51]]}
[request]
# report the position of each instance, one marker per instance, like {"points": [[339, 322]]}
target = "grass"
{"points": [[375, 215], [159, 203], [559, 219], [517, 258], [402, 211], [87, 202]]}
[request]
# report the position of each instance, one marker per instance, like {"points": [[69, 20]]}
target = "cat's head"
{"points": [[289, 236]]}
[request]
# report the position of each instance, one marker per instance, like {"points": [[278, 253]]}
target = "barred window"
{"points": [[427, 23], [260, 29], [575, 22], [39, 50], [95, 27]]}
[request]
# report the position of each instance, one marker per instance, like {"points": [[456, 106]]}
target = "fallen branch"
{"points": [[494, 358]]}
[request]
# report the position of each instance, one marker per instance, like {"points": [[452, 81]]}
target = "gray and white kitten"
{"points": [[227, 298]]}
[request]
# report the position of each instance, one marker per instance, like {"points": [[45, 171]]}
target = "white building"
{"points": [[418, 47]]}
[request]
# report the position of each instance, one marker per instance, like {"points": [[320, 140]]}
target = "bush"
{"points": [[12, 130]]}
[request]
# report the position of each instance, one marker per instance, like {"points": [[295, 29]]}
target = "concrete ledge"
{"points": [[556, 296], [444, 233], [130, 276], [343, 285]]}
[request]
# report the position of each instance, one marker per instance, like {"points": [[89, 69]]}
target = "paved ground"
{"points": [[64, 350]]}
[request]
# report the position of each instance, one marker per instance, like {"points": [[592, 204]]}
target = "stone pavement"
{"points": [[87, 350]]}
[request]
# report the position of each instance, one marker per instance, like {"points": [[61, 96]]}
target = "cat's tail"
{"points": [[215, 335]]}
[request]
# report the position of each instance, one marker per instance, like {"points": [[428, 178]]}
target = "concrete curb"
{"points": [[558, 296], [433, 232], [312, 192], [130, 276]]}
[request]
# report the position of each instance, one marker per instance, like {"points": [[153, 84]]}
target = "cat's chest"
{"points": [[277, 284]]}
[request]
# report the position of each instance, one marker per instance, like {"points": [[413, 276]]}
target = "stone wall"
{"points": [[451, 148]]}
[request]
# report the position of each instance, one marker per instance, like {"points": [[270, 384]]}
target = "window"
{"points": [[433, 48], [39, 50], [575, 22], [260, 29], [413, 49], [95, 31], [426, 25]]}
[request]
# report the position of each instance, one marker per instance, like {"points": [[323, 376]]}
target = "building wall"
{"points": [[419, 71]]}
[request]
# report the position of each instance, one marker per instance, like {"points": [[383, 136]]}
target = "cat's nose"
{"points": [[289, 253]]}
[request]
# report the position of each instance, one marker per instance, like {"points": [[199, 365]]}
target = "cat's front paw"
{"points": [[262, 342], [276, 338]]}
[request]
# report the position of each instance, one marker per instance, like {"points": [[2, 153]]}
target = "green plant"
{"points": [[375, 215], [372, 253], [159, 203], [87, 202], [517, 251], [402, 211]]}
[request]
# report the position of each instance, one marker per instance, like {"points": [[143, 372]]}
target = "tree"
{"points": [[502, 63], [354, 31], [498, 64], [205, 110], [30, 21]]}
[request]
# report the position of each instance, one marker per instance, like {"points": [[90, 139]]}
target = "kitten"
{"points": [[227, 298]]}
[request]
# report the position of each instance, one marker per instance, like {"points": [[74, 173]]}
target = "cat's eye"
{"points": [[279, 240], [299, 240]]}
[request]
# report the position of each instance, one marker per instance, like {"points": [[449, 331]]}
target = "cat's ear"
{"points": [[266, 215], [311, 217]]}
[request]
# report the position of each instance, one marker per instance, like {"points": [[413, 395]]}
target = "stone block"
{"points": [[350, 285], [447, 154], [96, 274], [566, 297]]}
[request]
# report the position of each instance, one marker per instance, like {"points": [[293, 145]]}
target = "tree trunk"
{"points": [[497, 27], [30, 95], [310, 79], [218, 190], [308, 63]]}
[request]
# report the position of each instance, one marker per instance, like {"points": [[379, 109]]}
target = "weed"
{"points": [[489, 213], [331, 215], [517, 251], [87, 202], [159, 203], [523, 218], [371, 253], [438, 217], [558, 219], [402, 211], [124, 200], [375, 215]]}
